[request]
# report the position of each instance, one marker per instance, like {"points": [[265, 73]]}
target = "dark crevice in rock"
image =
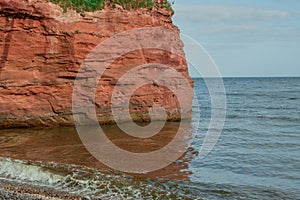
{"points": [[12, 14], [68, 77]]}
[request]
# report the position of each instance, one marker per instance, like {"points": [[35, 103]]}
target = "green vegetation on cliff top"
{"points": [[93, 5]]}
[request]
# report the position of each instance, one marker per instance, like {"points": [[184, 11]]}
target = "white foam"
{"points": [[22, 171], [76, 180]]}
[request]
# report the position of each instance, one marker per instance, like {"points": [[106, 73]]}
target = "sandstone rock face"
{"points": [[42, 49]]}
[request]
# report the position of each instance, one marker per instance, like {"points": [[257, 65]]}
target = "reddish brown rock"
{"points": [[42, 49]]}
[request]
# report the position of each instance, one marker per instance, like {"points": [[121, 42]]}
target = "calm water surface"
{"points": [[257, 156]]}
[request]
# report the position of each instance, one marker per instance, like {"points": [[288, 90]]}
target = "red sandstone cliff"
{"points": [[42, 48]]}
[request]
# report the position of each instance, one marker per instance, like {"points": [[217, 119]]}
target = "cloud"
{"points": [[214, 13], [235, 22], [245, 38]]}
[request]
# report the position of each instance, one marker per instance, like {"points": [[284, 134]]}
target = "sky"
{"points": [[245, 38]]}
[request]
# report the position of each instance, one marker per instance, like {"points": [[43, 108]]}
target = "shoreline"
{"points": [[23, 192]]}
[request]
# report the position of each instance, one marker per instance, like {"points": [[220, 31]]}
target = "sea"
{"points": [[257, 155]]}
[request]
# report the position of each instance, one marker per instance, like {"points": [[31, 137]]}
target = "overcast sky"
{"points": [[245, 37]]}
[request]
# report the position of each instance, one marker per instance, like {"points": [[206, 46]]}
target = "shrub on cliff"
{"points": [[93, 5]]}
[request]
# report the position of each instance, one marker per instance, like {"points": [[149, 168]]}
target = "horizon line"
{"points": [[249, 77]]}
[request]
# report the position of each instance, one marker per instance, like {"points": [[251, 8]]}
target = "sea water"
{"points": [[256, 157]]}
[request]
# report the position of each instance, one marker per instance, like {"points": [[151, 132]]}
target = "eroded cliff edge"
{"points": [[42, 48]]}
